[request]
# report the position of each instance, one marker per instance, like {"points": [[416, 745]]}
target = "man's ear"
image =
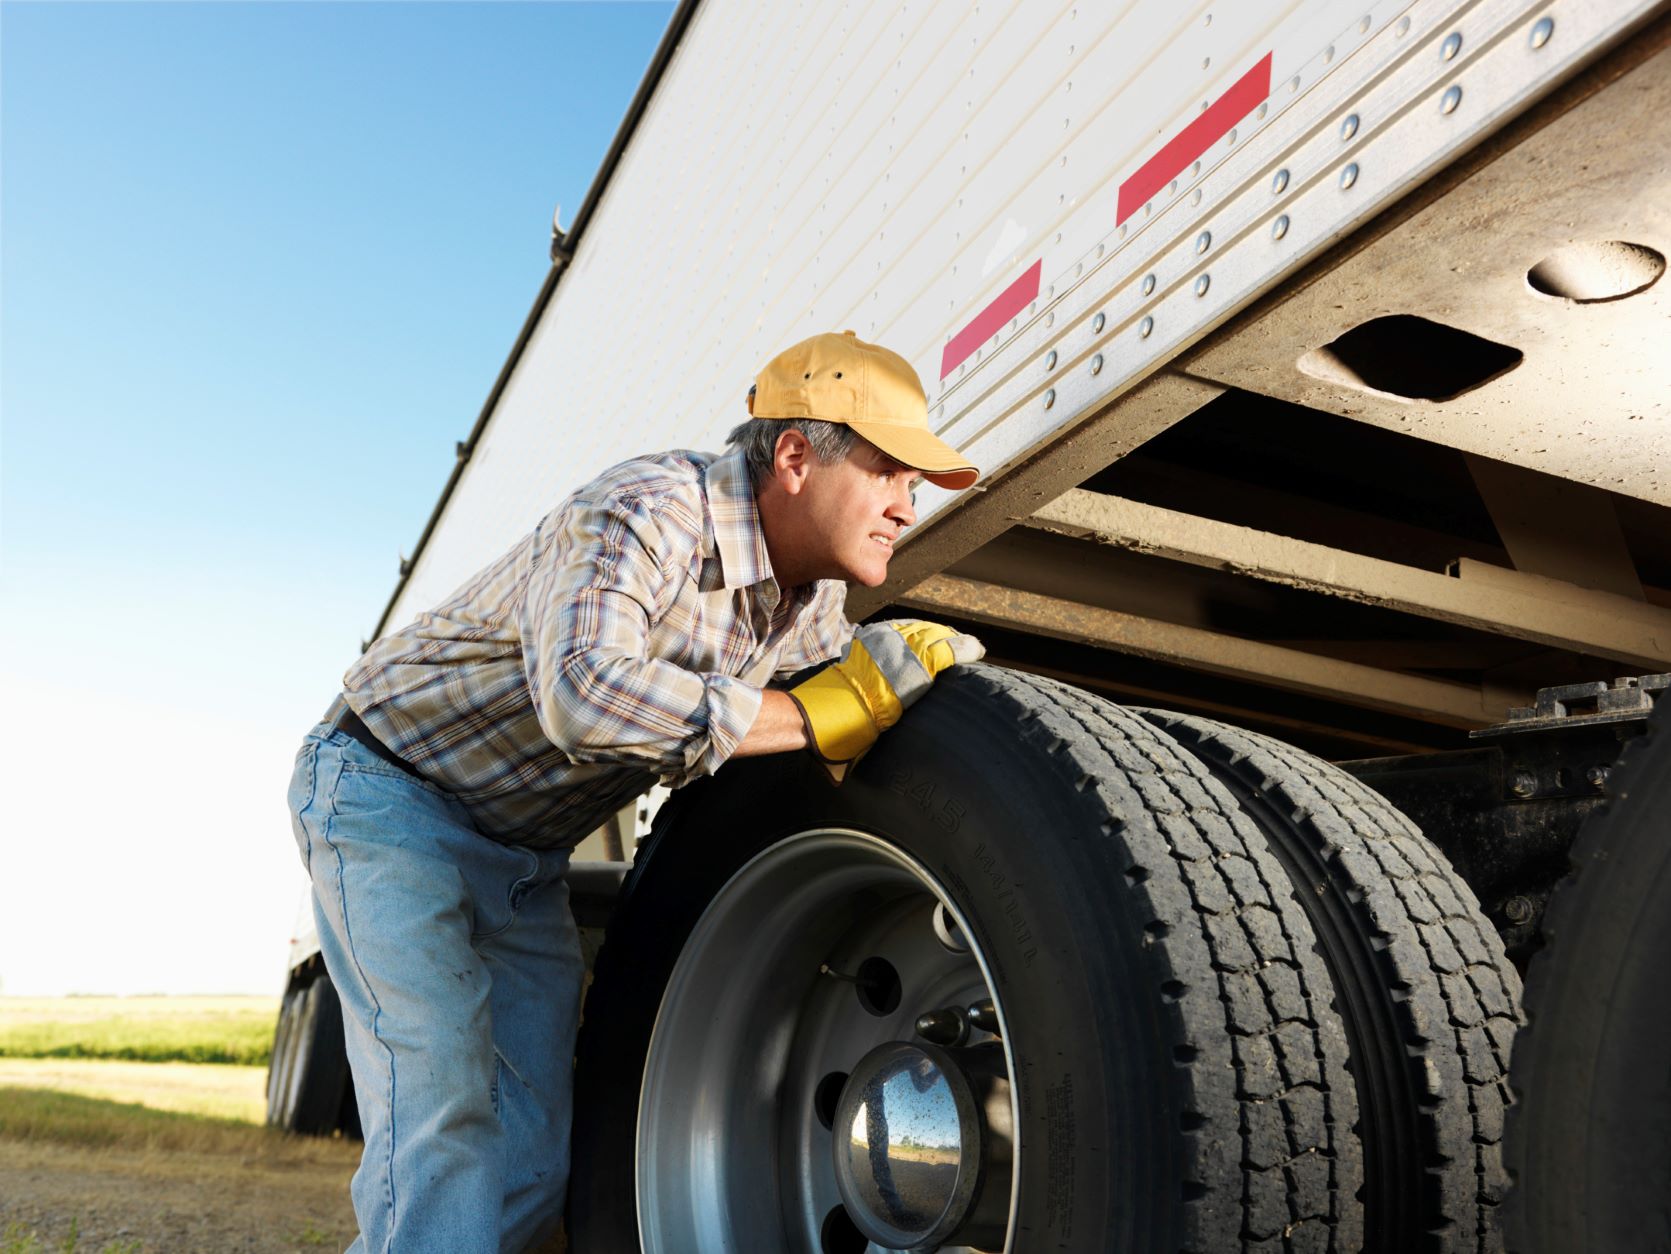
{"points": [[792, 461]]}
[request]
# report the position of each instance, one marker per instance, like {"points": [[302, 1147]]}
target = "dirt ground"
{"points": [[178, 1202], [105, 1157]]}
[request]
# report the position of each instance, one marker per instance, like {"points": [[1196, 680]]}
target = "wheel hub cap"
{"points": [[910, 1147]]}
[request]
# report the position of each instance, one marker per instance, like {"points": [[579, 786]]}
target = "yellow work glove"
{"points": [[886, 667]]}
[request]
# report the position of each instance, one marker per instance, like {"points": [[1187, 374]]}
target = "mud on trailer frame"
{"points": [[1316, 356]]}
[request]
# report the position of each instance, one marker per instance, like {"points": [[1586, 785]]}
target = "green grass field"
{"points": [[237, 1030], [217, 1090], [28, 1114]]}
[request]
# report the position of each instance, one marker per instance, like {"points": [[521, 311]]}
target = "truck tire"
{"points": [[1429, 999], [308, 1088], [1165, 1047], [1589, 1140]]}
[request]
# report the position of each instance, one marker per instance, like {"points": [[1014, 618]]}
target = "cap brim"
{"points": [[922, 450]]}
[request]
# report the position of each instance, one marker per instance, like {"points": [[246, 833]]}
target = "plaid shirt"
{"points": [[625, 640]]}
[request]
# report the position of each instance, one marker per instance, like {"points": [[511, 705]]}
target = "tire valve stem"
{"points": [[947, 1027], [825, 968], [984, 1015]]}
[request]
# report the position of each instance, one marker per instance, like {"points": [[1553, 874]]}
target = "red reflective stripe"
{"points": [[1188, 144], [1009, 302]]}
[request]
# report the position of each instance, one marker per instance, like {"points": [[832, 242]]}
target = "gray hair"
{"points": [[830, 441]]}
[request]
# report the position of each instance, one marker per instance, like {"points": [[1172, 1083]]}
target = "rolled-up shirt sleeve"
{"points": [[609, 571]]}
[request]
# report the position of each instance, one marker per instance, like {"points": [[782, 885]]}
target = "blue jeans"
{"points": [[459, 969]]}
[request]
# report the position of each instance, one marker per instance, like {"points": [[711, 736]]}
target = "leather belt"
{"points": [[345, 720]]}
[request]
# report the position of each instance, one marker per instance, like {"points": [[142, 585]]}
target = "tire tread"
{"points": [[1453, 993], [1250, 1000]]}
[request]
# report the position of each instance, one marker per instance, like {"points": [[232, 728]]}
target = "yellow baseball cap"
{"points": [[841, 378]]}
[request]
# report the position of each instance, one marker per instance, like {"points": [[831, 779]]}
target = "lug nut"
{"points": [[943, 1027], [1597, 775], [984, 1015], [1518, 909], [1523, 784]]}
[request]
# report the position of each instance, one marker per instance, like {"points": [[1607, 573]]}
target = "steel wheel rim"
{"points": [[732, 1153]]}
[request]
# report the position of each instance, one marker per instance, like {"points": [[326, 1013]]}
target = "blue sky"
{"points": [[259, 266]]}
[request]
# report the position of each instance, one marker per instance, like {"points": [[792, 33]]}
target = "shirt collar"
{"points": [[734, 523]]}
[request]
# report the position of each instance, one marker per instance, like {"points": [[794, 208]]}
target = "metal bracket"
{"points": [[1573, 705]]}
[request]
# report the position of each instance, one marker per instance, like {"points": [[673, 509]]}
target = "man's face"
{"points": [[854, 510]]}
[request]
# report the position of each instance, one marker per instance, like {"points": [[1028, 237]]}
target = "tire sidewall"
{"points": [[280, 1068]]}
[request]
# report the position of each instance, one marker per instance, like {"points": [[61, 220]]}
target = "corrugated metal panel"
{"points": [[898, 168]]}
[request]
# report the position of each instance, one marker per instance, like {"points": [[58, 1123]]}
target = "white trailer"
{"points": [[1315, 355]]}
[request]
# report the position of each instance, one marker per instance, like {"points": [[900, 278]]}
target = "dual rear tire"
{"points": [[1429, 1001], [1184, 1052]]}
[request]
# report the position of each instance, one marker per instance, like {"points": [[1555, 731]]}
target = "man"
{"points": [[629, 637]]}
